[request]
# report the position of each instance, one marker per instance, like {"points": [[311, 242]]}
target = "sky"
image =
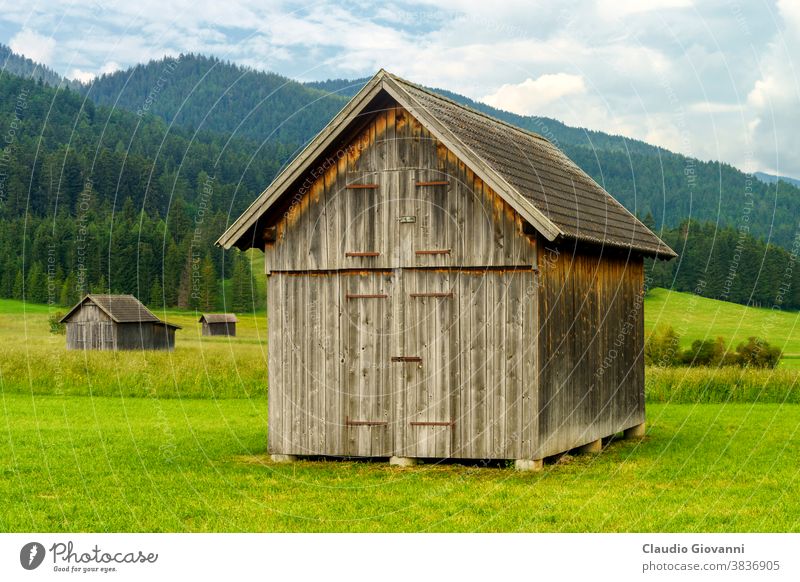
{"points": [[715, 80]]}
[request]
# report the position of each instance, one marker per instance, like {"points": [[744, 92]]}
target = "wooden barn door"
{"points": [[106, 335], [428, 364], [369, 339]]}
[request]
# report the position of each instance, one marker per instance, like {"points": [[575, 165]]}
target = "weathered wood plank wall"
{"points": [[590, 346], [433, 363]]}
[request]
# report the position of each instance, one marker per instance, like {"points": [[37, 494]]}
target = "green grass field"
{"points": [[36, 361], [148, 441], [114, 464]]}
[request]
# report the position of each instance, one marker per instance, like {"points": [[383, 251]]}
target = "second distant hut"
{"points": [[219, 324]]}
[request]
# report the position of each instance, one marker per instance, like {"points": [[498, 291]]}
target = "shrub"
{"points": [[702, 353], [663, 348], [757, 353], [55, 326]]}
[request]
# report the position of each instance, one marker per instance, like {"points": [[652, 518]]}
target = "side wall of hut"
{"points": [[590, 345], [221, 328], [145, 336]]}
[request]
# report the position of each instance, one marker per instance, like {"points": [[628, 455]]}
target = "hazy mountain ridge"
{"points": [[21, 66], [210, 94], [773, 179]]}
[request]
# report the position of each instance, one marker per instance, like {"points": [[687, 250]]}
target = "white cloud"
{"points": [[713, 107], [79, 75], [530, 96], [33, 45], [110, 67], [86, 76], [622, 8], [774, 100]]}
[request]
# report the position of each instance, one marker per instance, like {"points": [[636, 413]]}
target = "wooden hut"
{"points": [[116, 322], [218, 323], [445, 285]]}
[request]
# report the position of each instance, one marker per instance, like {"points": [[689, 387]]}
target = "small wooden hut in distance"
{"points": [[116, 322], [445, 285], [218, 323]]}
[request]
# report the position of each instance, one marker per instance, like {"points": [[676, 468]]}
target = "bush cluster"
{"points": [[663, 349]]}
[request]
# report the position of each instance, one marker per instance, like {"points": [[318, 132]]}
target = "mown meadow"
{"points": [[148, 441]]}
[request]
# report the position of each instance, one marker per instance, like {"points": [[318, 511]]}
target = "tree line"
{"points": [[729, 264]]}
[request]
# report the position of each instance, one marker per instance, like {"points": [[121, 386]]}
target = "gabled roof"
{"points": [[532, 175], [121, 309], [218, 318]]}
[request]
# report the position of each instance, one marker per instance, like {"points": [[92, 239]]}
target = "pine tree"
{"points": [[156, 294], [209, 290], [170, 276], [186, 298], [241, 284], [101, 287], [16, 293], [36, 289], [69, 292]]}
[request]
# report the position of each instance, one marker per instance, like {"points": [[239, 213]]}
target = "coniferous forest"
{"points": [[101, 200]]}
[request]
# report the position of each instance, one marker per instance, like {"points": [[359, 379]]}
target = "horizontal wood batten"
{"points": [[433, 183], [362, 186], [407, 359], [366, 296], [433, 252], [351, 422], [362, 254], [433, 423]]}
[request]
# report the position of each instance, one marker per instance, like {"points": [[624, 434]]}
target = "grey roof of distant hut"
{"points": [[121, 309], [541, 183], [218, 318]]}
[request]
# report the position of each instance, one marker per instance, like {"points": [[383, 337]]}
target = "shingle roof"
{"points": [[121, 309], [539, 171], [530, 173], [218, 318]]}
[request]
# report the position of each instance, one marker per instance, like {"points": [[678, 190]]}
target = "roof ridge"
{"points": [[472, 110]]}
